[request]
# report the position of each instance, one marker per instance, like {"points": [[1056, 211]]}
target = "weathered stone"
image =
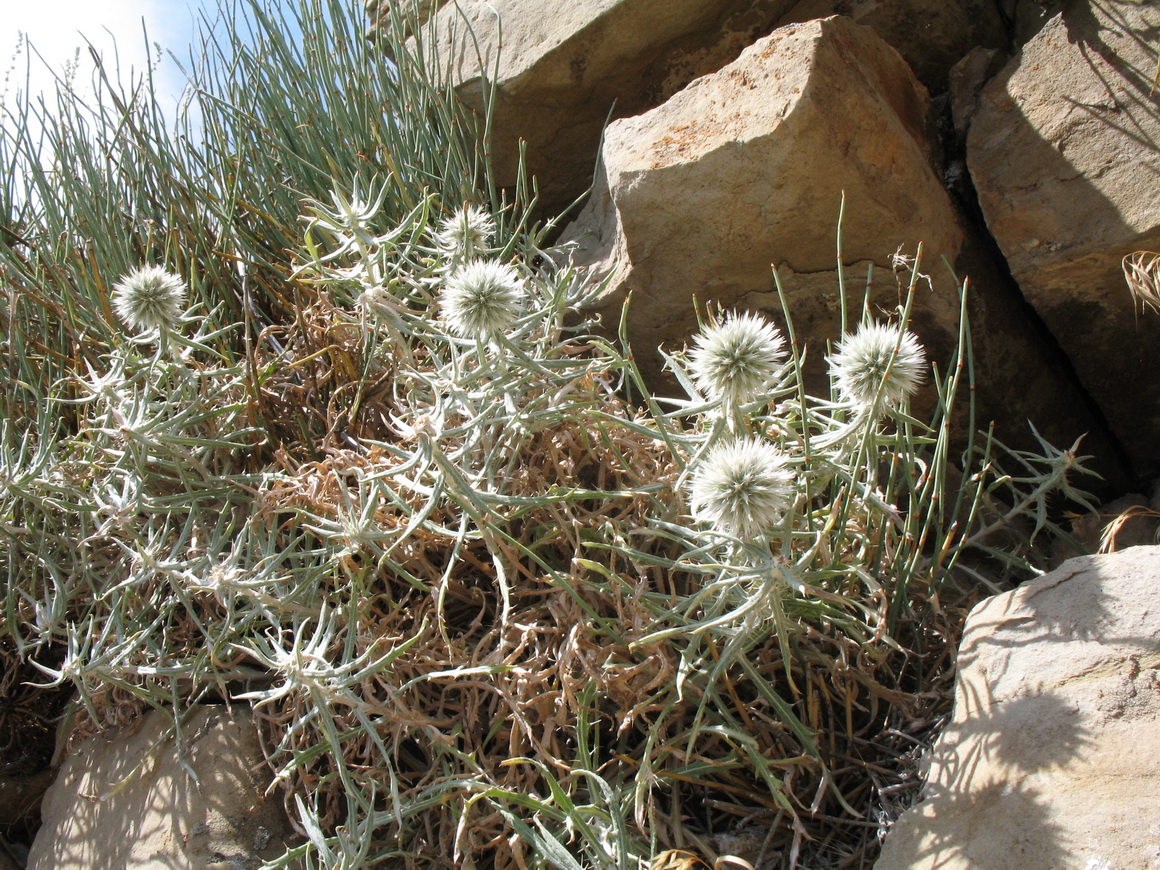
{"points": [[122, 799], [931, 34], [380, 11], [560, 76], [1052, 758], [1063, 150]]}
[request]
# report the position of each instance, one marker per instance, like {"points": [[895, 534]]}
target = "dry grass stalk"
{"points": [[1142, 272]]}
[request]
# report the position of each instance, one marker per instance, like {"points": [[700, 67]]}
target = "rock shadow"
{"points": [[1066, 167], [1056, 684], [1010, 820]]}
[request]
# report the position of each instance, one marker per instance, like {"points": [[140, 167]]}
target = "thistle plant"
{"points": [[482, 299], [465, 234], [737, 359], [742, 488]]}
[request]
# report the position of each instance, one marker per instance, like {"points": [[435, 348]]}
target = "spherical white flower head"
{"points": [[465, 233], [743, 488], [150, 298], [482, 298], [738, 358], [878, 365]]}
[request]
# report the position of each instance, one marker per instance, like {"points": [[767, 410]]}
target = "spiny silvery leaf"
{"points": [[353, 213]]}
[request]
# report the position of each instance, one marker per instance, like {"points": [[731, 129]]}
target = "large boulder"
{"points": [[1064, 150], [560, 76], [125, 799], [1052, 758], [746, 167], [933, 35]]}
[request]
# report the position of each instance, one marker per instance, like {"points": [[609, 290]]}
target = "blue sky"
{"points": [[57, 28]]}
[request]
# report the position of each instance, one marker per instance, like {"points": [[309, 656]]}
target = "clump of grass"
{"points": [[382, 479]]}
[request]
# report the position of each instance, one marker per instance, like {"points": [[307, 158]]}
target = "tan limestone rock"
{"points": [[563, 72], [746, 167], [1052, 758], [122, 799], [1064, 150], [966, 79], [380, 10]]}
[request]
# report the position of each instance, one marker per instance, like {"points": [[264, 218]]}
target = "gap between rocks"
{"points": [[1119, 472]]}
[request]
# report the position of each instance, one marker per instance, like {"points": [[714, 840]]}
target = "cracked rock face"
{"points": [[1052, 758], [746, 168], [1064, 149], [122, 799]]}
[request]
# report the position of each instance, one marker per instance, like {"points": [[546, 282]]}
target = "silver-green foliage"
{"points": [[484, 604], [167, 570]]}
